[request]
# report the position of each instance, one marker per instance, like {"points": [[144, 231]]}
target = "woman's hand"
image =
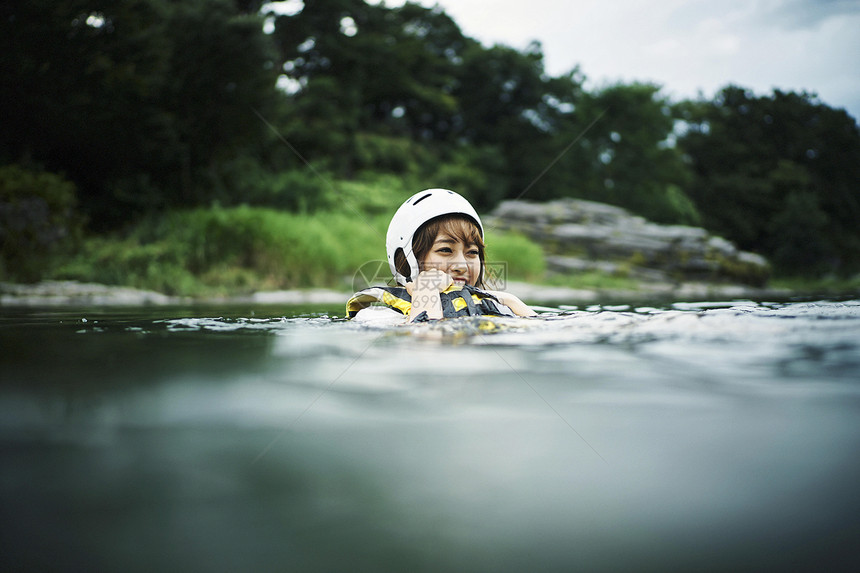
{"points": [[425, 293], [429, 280]]}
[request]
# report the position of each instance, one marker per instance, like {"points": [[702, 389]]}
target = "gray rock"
{"points": [[575, 264], [580, 236], [64, 293]]}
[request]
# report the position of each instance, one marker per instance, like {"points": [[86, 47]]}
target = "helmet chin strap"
{"points": [[413, 266], [413, 271]]}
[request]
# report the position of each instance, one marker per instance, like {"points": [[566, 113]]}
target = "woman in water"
{"points": [[435, 246]]}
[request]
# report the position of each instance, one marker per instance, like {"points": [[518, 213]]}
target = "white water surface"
{"points": [[712, 435]]}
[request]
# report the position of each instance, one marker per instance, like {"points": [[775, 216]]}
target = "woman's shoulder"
{"points": [[513, 302], [396, 298]]}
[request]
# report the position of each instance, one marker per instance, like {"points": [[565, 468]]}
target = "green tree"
{"points": [[760, 161], [221, 69], [797, 237], [633, 161], [39, 222], [82, 89], [382, 89], [137, 101], [507, 101]]}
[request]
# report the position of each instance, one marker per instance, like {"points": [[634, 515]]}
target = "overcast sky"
{"points": [[686, 46]]}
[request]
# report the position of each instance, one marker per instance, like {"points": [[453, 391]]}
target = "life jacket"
{"points": [[456, 301]]}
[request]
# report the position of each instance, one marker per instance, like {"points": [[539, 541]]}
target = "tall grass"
{"points": [[828, 285], [303, 232], [228, 251], [515, 256], [221, 251]]}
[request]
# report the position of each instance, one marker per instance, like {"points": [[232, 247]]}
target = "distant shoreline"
{"points": [[73, 293]]}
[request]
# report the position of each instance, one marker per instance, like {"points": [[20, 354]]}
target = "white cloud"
{"points": [[685, 45]]}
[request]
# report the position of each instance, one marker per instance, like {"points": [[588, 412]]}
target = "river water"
{"points": [[707, 436]]}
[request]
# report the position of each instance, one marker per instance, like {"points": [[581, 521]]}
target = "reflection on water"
{"points": [[711, 435]]}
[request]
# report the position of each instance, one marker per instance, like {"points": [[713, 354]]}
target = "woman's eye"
{"points": [[444, 250]]}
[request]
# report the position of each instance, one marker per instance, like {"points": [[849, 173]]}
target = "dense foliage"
{"points": [[244, 249], [38, 221], [153, 106], [778, 174]]}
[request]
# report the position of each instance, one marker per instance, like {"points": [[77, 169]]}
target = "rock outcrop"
{"points": [[73, 293], [579, 236]]}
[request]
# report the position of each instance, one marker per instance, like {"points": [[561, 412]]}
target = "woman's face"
{"points": [[460, 260]]}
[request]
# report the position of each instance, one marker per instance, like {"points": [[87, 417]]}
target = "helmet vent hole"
{"points": [[421, 199]]}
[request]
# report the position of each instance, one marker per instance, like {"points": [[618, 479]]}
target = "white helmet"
{"points": [[416, 211]]}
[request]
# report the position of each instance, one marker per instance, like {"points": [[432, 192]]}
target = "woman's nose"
{"points": [[457, 266]]}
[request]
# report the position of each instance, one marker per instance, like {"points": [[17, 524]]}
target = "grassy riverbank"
{"points": [[221, 252], [229, 252], [823, 286], [217, 252]]}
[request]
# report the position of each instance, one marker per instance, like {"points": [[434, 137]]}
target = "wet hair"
{"points": [[459, 227]]}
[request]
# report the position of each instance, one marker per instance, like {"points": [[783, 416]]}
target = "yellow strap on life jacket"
{"points": [[395, 297], [395, 301], [386, 295]]}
